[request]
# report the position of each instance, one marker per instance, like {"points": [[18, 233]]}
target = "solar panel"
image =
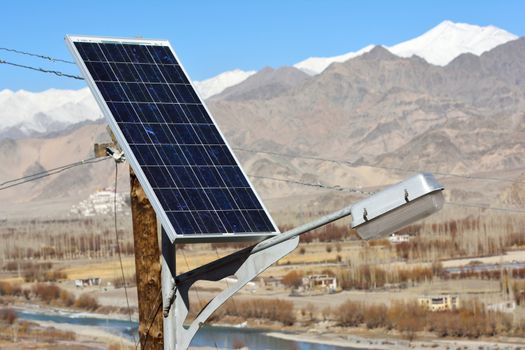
{"points": [[188, 171]]}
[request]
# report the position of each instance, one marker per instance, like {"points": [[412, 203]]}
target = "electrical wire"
{"points": [[323, 187], [480, 206], [117, 242], [227, 286], [188, 267], [47, 171], [150, 321], [319, 185], [49, 58], [42, 174], [356, 164], [196, 290], [38, 69]]}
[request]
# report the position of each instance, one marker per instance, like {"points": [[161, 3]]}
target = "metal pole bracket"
{"points": [[245, 265]]}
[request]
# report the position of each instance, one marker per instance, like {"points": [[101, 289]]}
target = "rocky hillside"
{"points": [[385, 110], [375, 114]]}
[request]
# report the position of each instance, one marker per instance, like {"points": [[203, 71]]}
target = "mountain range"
{"points": [[362, 123], [386, 111], [26, 113]]}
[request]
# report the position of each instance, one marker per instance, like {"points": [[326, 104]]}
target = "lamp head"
{"points": [[397, 206]]}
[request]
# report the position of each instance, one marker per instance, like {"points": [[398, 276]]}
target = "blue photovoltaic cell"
{"points": [[196, 179]]}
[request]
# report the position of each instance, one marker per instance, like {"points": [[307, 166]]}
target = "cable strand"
{"points": [[38, 69], [117, 242], [49, 58], [150, 321], [40, 175], [355, 164], [468, 205]]}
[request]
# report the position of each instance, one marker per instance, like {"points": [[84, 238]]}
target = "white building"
{"points": [[507, 307], [99, 203], [394, 238], [324, 283], [439, 302], [86, 282]]}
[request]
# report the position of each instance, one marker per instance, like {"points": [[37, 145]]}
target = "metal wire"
{"points": [[150, 321], [322, 187], [49, 58], [354, 164], [117, 242], [38, 69], [319, 185], [188, 267], [42, 174], [228, 286]]}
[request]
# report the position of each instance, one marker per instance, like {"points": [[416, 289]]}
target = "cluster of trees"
{"points": [[293, 279], [276, 310], [518, 292], [480, 234], [487, 274], [64, 239], [35, 271], [328, 233], [472, 320], [50, 294], [7, 316], [29, 330], [367, 277]]}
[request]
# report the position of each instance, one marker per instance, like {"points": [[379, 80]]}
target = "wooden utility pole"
{"points": [[147, 261], [147, 266]]}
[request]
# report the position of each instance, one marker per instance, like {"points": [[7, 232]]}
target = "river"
{"points": [[216, 336]]}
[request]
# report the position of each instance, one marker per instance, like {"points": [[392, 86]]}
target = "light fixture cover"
{"points": [[397, 206]]}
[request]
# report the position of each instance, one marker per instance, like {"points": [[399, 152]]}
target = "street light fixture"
{"points": [[397, 206]]}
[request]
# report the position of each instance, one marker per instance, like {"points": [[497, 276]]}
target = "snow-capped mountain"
{"points": [[23, 112], [45, 111], [438, 46], [448, 40], [219, 83], [315, 65]]}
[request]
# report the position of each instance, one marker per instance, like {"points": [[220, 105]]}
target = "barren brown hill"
{"points": [[467, 116], [266, 84], [367, 117]]}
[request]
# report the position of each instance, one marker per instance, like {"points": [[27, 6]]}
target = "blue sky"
{"points": [[211, 37]]}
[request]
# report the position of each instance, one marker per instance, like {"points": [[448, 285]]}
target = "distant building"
{"points": [[394, 238], [439, 302], [507, 307], [271, 282], [322, 283], [99, 203], [86, 282], [316, 285]]}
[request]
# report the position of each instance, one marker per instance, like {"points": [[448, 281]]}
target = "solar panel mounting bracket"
{"points": [[244, 265]]}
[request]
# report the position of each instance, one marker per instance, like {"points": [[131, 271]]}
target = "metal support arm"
{"points": [[245, 265]]}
